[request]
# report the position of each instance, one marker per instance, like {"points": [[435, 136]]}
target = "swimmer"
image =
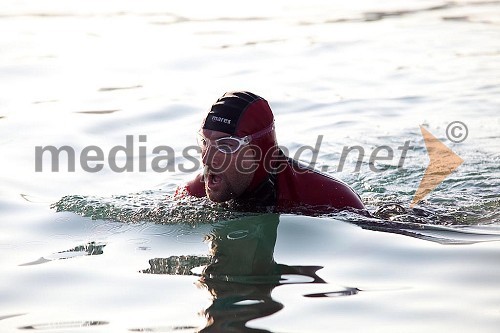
{"points": [[244, 166]]}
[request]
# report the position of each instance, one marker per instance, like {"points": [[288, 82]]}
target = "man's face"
{"points": [[226, 176]]}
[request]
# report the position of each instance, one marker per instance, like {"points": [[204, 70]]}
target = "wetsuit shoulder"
{"points": [[303, 186]]}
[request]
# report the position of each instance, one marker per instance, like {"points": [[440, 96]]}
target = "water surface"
{"points": [[115, 253]]}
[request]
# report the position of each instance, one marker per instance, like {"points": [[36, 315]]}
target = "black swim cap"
{"points": [[239, 113]]}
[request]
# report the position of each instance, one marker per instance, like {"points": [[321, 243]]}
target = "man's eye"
{"points": [[227, 145], [225, 149]]}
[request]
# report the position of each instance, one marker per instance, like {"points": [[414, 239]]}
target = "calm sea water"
{"points": [[108, 251]]}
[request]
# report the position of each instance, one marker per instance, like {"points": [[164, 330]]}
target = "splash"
{"points": [[148, 206]]}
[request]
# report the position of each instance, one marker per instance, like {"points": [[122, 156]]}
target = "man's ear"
{"points": [[250, 158], [250, 152], [253, 153]]}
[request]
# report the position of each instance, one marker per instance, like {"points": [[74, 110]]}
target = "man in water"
{"points": [[244, 166]]}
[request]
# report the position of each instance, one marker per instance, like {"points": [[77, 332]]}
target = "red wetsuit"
{"points": [[292, 189]]}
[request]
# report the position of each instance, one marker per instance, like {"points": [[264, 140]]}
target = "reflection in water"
{"points": [[241, 273], [64, 325], [347, 292], [234, 304], [89, 249], [176, 265]]}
